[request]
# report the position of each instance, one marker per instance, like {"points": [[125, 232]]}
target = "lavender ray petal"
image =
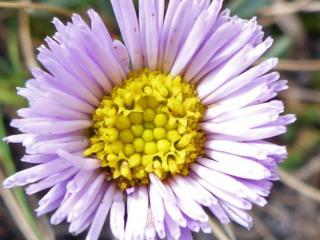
{"points": [[79, 161], [50, 181], [129, 27], [117, 215], [101, 213]]}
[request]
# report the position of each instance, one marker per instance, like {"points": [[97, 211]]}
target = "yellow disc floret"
{"points": [[149, 125]]}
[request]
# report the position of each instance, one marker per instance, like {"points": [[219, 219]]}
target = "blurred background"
{"points": [[293, 211]]}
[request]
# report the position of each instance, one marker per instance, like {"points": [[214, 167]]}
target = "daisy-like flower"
{"points": [[157, 133]]}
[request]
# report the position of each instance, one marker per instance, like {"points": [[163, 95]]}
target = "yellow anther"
{"points": [[143, 103], [148, 125], [148, 115], [157, 164], [147, 135], [117, 146], [125, 170], [136, 117], [126, 136], [109, 121], [173, 135], [159, 133], [94, 148], [160, 120], [163, 145], [112, 134], [152, 102], [138, 144], [150, 148], [146, 160], [112, 157], [181, 129], [134, 160], [172, 123], [185, 140], [173, 166], [137, 130], [122, 122], [129, 150]]}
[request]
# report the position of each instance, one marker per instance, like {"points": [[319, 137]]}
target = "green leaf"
{"points": [[245, 8], [14, 51], [4, 150], [280, 48], [5, 67]]}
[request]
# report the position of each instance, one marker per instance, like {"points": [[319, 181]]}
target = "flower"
{"points": [[158, 132]]}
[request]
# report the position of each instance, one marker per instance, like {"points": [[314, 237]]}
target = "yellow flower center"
{"points": [[149, 125]]}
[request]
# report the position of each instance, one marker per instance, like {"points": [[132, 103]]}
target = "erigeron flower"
{"points": [[158, 133]]}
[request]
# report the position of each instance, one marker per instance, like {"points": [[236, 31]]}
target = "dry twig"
{"points": [[38, 6], [262, 229], [298, 65], [217, 230], [286, 8], [229, 230], [299, 186], [302, 94], [25, 37], [311, 168]]}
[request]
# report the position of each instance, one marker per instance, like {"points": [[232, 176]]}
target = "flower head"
{"points": [[157, 132]]}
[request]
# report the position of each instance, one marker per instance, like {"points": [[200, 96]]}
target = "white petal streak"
{"points": [[81, 223], [99, 29], [47, 126], [172, 228], [243, 168], [272, 106], [128, 23], [172, 7], [120, 52], [51, 181], [117, 214], [219, 212], [150, 25], [46, 208], [137, 211], [238, 216], [240, 125], [242, 60], [36, 173], [55, 193], [242, 32], [51, 146], [161, 189], [241, 80], [101, 213], [236, 148], [188, 205], [196, 37], [173, 210], [92, 191], [80, 162], [80, 180], [219, 76], [175, 34], [217, 40], [215, 179], [195, 192], [157, 209], [224, 196]]}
